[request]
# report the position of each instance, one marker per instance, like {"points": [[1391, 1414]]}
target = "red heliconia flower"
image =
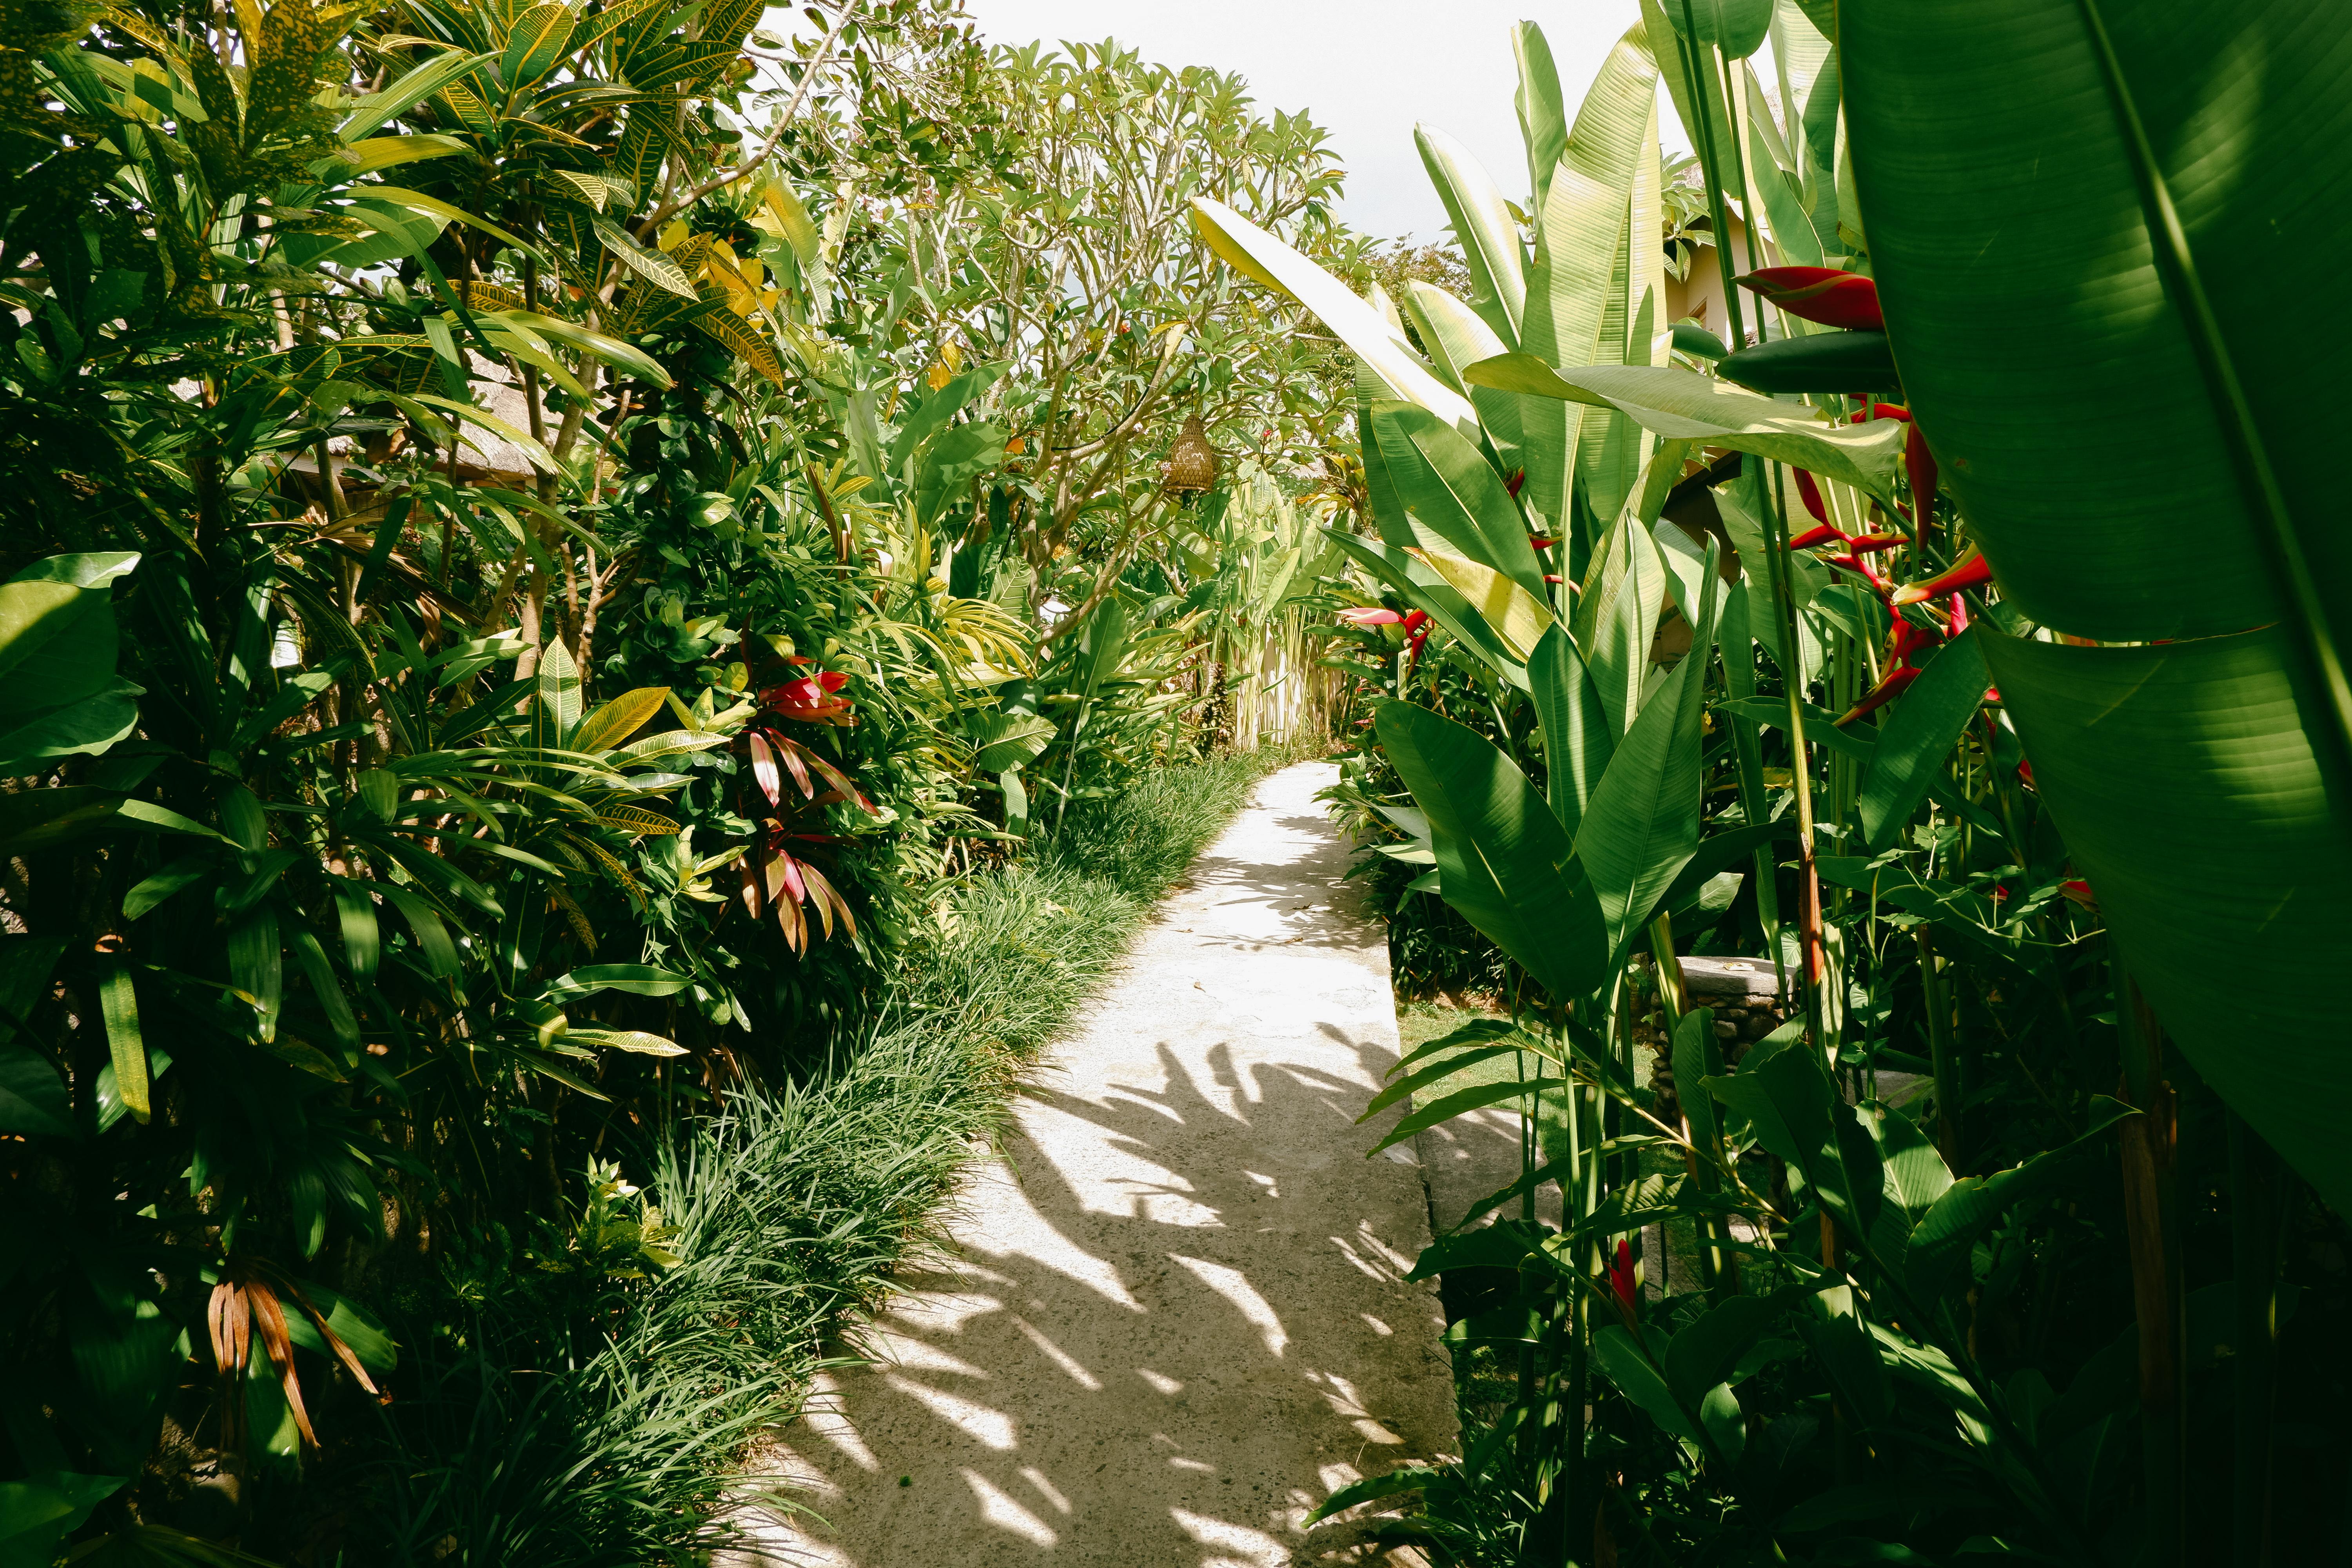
{"points": [[1919, 468], [1878, 411], [1971, 571], [2025, 771], [1620, 1280], [2080, 891], [1374, 617], [1540, 542], [1822, 294], [1872, 544], [1514, 480], [1959, 615], [1810, 490], [1909, 640], [1819, 533], [1889, 687], [1416, 629]]}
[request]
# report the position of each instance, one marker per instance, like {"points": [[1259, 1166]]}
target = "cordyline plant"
{"points": [[1942, 1268]]}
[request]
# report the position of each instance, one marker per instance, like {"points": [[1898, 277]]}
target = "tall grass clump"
{"points": [[787, 1214]]}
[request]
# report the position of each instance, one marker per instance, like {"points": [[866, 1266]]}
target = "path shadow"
{"points": [[1178, 1315]]}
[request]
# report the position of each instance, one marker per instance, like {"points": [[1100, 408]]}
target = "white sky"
{"points": [[1367, 72]]}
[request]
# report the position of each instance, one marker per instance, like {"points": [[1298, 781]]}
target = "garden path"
{"points": [[1176, 1316]]}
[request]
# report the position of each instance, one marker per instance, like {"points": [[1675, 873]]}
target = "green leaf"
{"points": [[1517, 618], [1448, 486], [1685, 405], [355, 917], [1928, 720], [1403, 1479], [1543, 112], [1916, 1174], [1420, 586], [559, 693], [1642, 824], [1850, 361], [255, 966], [39, 1512], [535, 41], [656, 268], [1616, 620], [1578, 739], [1007, 741], [380, 109], [1413, 1083], [1704, 1354], [32, 1099], [1447, 1107], [118, 1003], [417, 201], [1735, 28], [1794, 1109], [597, 345], [1998, 173], [59, 694], [1936, 1260], [2184, 780], [1503, 858], [641, 979], [1506, 1244], [1380, 345], [1483, 226], [617, 720], [1619, 1357]]}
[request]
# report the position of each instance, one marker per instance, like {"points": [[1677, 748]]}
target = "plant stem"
{"points": [[2255, 1182], [1793, 682]]}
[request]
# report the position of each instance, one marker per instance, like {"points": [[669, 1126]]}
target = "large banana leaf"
{"points": [[2064, 375], [1447, 483], [2069, 206], [1503, 858], [1642, 822], [1456, 337], [1684, 406], [1579, 278], [1378, 343], [1481, 222], [2191, 802]]}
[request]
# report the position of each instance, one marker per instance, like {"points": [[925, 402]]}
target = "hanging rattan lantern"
{"points": [[1192, 461]]}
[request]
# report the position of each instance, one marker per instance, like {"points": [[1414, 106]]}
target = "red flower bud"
{"points": [[1621, 1279], [1822, 294], [1810, 492], [1971, 571], [1872, 544], [1819, 533], [1881, 694]]}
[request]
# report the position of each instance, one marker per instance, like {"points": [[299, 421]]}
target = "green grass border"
{"points": [[797, 1208]]}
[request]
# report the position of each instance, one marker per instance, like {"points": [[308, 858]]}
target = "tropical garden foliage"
{"points": [[518, 697], [1960, 638], [607, 613]]}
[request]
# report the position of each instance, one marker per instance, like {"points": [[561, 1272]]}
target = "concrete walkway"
{"points": [[1178, 1315]]}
